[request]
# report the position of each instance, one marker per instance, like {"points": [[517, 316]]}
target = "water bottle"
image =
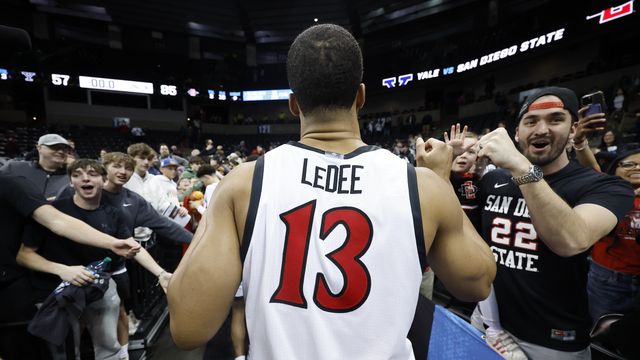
{"points": [[101, 265], [95, 268]]}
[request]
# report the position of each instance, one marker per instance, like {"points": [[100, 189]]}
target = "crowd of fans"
{"points": [[166, 190]]}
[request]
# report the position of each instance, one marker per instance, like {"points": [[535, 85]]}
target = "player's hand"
{"points": [[435, 155], [127, 247], [76, 275], [498, 147], [182, 211], [587, 125], [456, 140], [163, 280]]}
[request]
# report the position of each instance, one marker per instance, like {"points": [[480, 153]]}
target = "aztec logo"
{"points": [[613, 13], [402, 81]]}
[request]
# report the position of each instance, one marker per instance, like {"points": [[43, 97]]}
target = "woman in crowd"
{"points": [[614, 276]]}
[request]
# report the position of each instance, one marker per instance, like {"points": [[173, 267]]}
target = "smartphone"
{"points": [[596, 103]]}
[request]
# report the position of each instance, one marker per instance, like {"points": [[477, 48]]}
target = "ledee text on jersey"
{"points": [[341, 179]]}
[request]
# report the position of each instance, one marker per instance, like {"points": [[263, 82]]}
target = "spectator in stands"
{"points": [[258, 151], [464, 179], [195, 162], [611, 142], [102, 152], [143, 155], [242, 148], [402, 151], [614, 276], [154, 166], [568, 208], [21, 200], [195, 152], [209, 149], [610, 146], [139, 213], [162, 191], [165, 153], [210, 177], [48, 173], [54, 258], [175, 151], [119, 169], [618, 101]]}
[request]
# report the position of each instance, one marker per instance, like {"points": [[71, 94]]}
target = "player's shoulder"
{"points": [[238, 182]]}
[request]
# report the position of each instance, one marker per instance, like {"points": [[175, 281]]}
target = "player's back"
{"points": [[332, 269]]}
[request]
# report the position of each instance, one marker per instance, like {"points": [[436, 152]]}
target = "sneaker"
{"points": [[504, 345]]}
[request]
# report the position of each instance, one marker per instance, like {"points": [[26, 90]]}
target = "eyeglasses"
{"points": [[628, 164]]}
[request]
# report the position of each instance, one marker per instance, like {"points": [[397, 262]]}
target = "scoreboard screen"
{"points": [[266, 95], [137, 87]]}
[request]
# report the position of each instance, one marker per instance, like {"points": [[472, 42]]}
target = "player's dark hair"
{"points": [[324, 68]]}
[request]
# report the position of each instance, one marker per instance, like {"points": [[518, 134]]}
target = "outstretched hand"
{"points": [[127, 247], [435, 155], [456, 140]]}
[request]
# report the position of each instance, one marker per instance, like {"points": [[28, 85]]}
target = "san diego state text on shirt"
{"points": [[524, 241]]}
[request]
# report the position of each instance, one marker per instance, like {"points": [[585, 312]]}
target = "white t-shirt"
{"points": [[161, 192]]}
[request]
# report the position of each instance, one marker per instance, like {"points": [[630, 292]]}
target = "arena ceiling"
{"points": [[271, 21]]}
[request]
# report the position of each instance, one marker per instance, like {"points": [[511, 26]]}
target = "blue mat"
{"points": [[453, 338]]}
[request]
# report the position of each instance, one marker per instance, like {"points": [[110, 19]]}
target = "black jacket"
{"points": [[47, 183]]}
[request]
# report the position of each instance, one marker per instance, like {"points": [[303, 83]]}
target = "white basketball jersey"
{"points": [[331, 255]]}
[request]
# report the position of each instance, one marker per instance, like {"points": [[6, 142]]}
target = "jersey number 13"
{"points": [[357, 281]]}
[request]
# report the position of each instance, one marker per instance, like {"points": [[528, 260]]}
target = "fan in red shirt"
{"points": [[614, 276]]}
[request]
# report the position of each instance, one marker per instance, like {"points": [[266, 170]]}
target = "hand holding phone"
{"points": [[596, 103]]}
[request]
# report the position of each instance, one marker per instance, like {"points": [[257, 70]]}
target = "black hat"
{"points": [[568, 97]]}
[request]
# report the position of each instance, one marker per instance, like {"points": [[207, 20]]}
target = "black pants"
{"points": [[17, 309]]}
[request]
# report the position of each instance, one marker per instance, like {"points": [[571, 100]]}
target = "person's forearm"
{"points": [[71, 228], [481, 281], [144, 258], [34, 261], [586, 158], [556, 223]]}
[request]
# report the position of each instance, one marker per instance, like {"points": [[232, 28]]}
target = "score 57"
{"points": [[59, 79]]}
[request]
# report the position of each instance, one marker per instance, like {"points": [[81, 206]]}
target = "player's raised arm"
{"points": [[201, 290], [457, 254]]}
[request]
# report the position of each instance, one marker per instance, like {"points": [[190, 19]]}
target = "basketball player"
{"points": [[329, 235], [540, 215]]}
